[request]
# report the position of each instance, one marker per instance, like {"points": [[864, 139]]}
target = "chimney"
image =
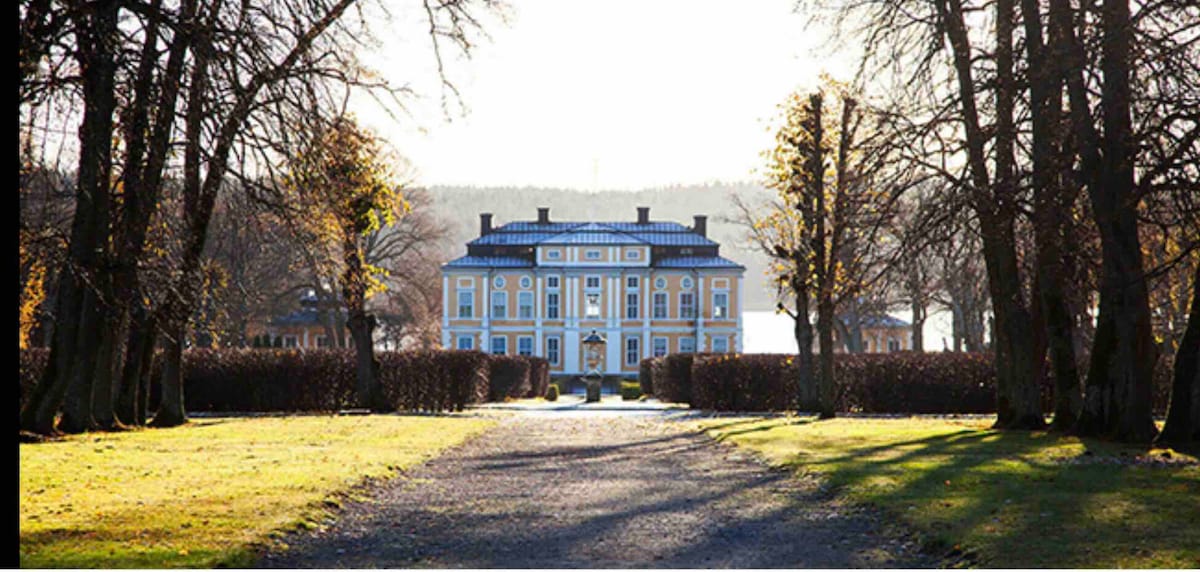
{"points": [[700, 227], [543, 215], [643, 215], [485, 223]]}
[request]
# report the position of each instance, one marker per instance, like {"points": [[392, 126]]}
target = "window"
{"points": [[498, 282], [720, 305], [660, 347], [720, 345], [526, 282], [500, 304], [686, 283], [500, 345], [291, 341], [322, 341], [687, 345], [525, 345], [631, 306], [552, 282], [660, 305], [631, 282], [592, 309], [633, 254], [592, 254], [687, 306], [551, 305], [632, 353], [592, 283], [552, 350], [525, 305], [685, 251], [553, 254], [465, 342], [660, 283], [466, 304], [893, 345]]}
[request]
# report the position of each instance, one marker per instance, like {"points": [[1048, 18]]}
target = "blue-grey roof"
{"points": [[880, 321], [696, 262], [304, 317], [527, 233], [672, 239], [488, 261], [591, 237]]}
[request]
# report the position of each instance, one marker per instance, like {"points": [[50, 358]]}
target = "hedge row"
{"points": [[902, 382], [324, 379]]}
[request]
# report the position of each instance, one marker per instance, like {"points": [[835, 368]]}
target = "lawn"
{"points": [[209, 493], [1013, 500]]}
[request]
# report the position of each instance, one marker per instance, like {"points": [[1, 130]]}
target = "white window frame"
{"points": [[588, 314], [503, 345], [318, 339], [526, 283], [521, 342], [666, 306], [684, 314], [633, 350], [525, 305], [591, 254], [632, 282], [633, 305], [552, 309], [660, 283], [587, 282], [291, 341], [552, 282], [469, 345], [498, 282], [683, 350], [553, 254], [686, 283], [724, 315], [660, 343], [633, 254], [504, 305], [724, 340], [470, 303], [553, 354]]}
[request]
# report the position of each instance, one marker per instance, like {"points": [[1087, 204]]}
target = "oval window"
{"points": [[498, 282]]}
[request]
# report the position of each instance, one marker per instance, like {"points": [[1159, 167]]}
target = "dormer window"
{"points": [[553, 254], [685, 251], [592, 254], [633, 254]]}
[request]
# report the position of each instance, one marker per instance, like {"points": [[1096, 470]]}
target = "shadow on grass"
{"points": [[999, 498]]}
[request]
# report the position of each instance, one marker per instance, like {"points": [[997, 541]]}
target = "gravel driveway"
{"points": [[541, 491]]}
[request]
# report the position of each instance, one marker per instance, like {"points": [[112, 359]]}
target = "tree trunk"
{"points": [[918, 326], [1018, 404], [1118, 398], [1183, 414], [803, 331], [369, 390], [135, 373], [171, 410]]}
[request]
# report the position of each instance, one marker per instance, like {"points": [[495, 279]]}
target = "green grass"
{"points": [[210, 493], [1015, 500]]}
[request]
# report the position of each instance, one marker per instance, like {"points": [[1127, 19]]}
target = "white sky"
{"points": [[607, 93]]}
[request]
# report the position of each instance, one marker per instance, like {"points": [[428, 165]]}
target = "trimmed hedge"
{"points": [[509, 377], [747, 382], [433, 380], [646, 374], [909, 382], [630, 390], [539, 376]]}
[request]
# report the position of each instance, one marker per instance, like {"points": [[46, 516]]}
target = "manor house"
{"points": [[537, 287]]}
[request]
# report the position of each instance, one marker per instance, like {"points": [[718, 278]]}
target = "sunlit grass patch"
{"points": [[208, 493], [1019, 499]]}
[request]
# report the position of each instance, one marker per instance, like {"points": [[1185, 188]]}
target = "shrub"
{"points": [[673, 379], [552, 393], [508, 377], [630, 390], [539, 376], [433, 380], [646, 375], [749, 382], [268, 379]]}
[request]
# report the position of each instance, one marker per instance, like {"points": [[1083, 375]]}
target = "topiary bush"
{"points": [[552, 393], [630, 390]]}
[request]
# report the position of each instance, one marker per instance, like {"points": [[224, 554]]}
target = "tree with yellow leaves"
{"points": [[824, 229], [343, 176]]}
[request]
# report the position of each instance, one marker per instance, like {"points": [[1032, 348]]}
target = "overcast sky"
{"points": [[608, 93]]}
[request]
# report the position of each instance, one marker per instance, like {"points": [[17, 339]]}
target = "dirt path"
{"points": [[546, 492]]}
